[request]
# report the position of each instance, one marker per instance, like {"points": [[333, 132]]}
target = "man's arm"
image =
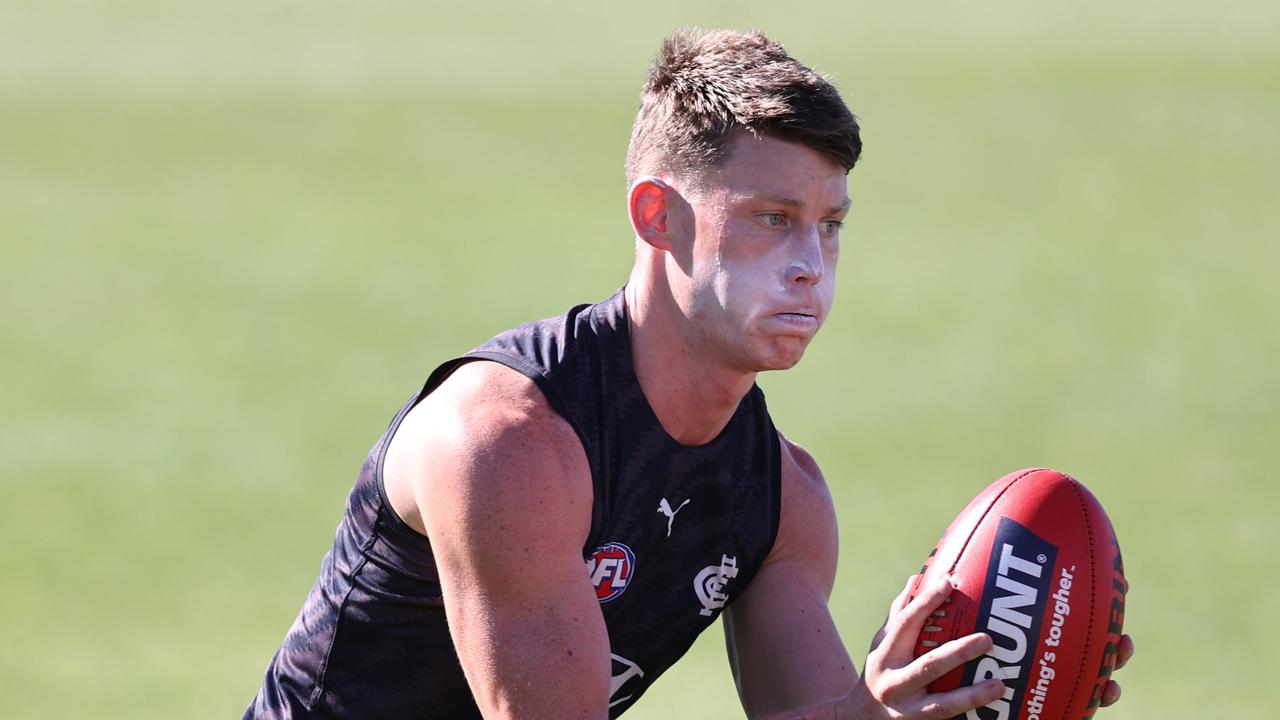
{"points": [[786, 654], [500, 484], [784, 648]]}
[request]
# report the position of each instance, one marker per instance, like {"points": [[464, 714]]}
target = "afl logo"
{"points": [[610, 568]]}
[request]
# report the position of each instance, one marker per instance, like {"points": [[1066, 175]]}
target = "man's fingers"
{"points": [[894, 608], [904, 626], [1124, 651], [940, 661], [962, 700], [1111, 693], [903, 597]]}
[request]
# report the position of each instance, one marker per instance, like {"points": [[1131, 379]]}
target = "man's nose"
{"points": [[806, 264]]}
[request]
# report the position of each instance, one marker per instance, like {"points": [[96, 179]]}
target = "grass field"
{"points": [[234, 236]]}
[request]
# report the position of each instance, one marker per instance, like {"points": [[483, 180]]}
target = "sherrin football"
{"points": [[1035, 565]]}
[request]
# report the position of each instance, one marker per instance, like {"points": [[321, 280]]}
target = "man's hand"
{"points": [[893, 682]]}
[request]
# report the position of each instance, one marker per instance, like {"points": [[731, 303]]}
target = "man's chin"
{"points": [[784, 356]]}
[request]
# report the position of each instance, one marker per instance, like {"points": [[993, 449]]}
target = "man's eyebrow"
{"points": [[790, 201], [772, 197]]}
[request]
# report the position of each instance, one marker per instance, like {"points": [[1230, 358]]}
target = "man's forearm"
{"points": [[841, 709]]}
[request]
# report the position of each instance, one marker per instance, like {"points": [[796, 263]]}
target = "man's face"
{"points": [[766, 238]]}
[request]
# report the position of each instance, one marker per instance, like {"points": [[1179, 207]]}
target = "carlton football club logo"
{"points": [[610, 568], [709, 585]]}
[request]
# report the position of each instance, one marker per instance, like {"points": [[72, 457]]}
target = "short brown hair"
{"points": [[705, 86]]}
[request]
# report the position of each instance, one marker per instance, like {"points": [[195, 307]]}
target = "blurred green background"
{"points": [[235, 236]]}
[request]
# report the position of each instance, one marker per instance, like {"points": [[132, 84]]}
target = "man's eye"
{"points": [[832, 226], [773, 219]]}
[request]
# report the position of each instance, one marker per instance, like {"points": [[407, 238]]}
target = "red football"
{"points": [[1036, 566]]}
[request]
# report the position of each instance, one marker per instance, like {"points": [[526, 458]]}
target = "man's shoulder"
{"points": [[487, 407], [807, 531], [487, 433], [488, 392], [801, 473]]}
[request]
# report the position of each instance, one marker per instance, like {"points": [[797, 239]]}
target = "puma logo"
{"points": [[665, 508]]}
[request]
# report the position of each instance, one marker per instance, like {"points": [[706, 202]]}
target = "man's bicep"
{"points": [[505, 497]]}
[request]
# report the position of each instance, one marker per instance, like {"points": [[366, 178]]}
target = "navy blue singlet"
{"points": [[676, 534]]}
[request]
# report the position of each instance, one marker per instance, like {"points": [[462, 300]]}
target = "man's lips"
{"points": [[798, 319]]}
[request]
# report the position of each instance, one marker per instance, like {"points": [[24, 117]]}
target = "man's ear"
{"points": [[649, 204]]}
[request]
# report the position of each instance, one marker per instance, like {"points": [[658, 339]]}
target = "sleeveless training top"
{"points": [[677, 532]]}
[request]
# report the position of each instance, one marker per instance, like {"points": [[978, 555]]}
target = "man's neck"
{"points": [[692, 397]]}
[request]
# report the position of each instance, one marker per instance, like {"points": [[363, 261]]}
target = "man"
{"points": [[629, 434]]}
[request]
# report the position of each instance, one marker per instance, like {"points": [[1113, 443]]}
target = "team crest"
{"points": [[709, 584], [610, 568]]}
